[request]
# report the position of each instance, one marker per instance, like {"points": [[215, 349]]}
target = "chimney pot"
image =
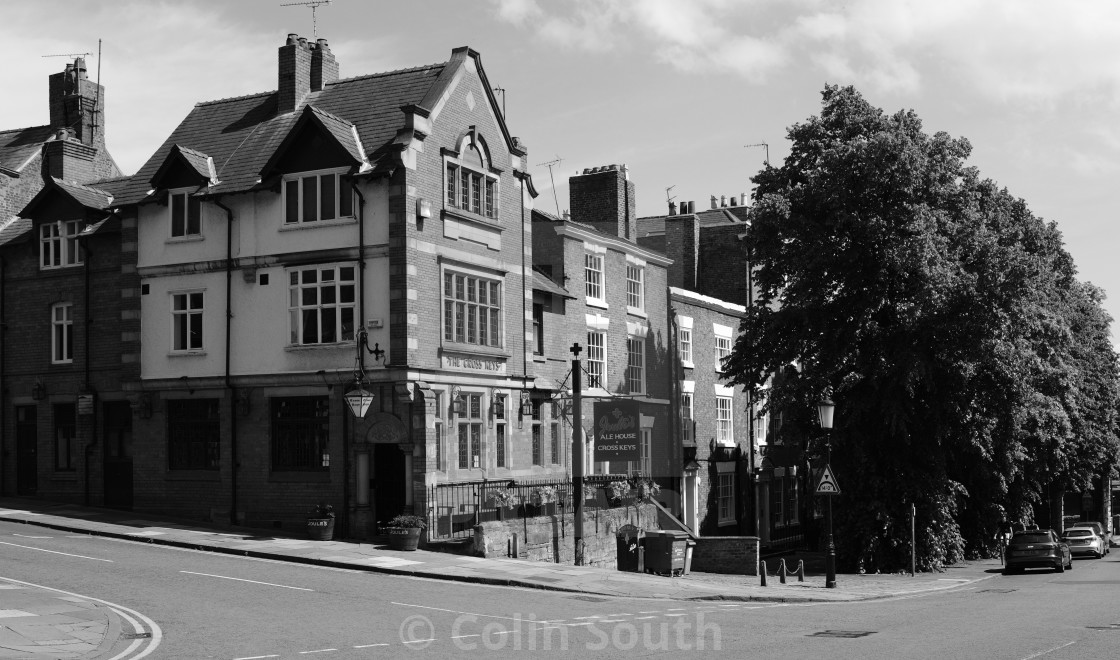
{"points": [[673, 208], [323, 45], [715, 202], [742, 199], [292, 38], [723, 200]]}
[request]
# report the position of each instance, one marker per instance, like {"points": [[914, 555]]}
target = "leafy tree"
{"points": [[969, 366]]}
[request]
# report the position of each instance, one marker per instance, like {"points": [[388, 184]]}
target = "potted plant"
{"points": [[320, 522], [618, 491], [648, 489], [502, 499], [404, 531], [541, 497], [590, 492]]}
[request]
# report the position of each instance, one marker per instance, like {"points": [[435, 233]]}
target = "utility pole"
{"points": [[577, 451], [549, 164]]}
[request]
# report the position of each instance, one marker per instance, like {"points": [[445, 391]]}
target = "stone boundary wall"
{"points": [[550, 538], [726, 554]]}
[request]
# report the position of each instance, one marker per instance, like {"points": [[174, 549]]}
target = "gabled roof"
{"points": [[194, 161], [86, 196], [19, 146], [14, 229], [344, 133], [242, 134]]}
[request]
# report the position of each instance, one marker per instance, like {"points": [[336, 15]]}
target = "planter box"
{"points": [[404, 538], [320, 529]]}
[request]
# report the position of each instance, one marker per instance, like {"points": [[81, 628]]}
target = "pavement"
{"points": [[33, 618]]}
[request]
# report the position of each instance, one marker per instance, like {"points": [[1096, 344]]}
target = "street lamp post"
{"points": [[825, 410]]}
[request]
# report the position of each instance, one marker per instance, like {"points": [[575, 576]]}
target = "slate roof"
{"points": [[14, 229], [721, 217], [241, 134], [18, 145], [542, 282], [87, 196]]}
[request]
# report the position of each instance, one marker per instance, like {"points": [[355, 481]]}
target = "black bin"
{"points": [[666, 552], [629, 538]]}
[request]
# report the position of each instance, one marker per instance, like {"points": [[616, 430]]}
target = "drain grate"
{"points": [[996, 591], [847, 634], [590, 599]]}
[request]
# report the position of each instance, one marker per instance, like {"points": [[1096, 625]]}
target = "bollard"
{"points": [[800, 570], [782, 570], [762, 571]]}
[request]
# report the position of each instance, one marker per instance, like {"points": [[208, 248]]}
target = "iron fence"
{"points": [[455, 508]]}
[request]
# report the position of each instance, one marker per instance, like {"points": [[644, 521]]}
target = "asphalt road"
{"points": [[219, 606]]}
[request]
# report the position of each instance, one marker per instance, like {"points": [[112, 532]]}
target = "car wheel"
{"points": [[1099, 555], [1060, 568], [1069, 566]]}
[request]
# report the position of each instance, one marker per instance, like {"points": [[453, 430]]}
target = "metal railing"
{"points": [[455, 508]]}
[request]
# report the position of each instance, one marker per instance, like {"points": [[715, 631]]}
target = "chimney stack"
{"points": [[294, 74], [715, 202], [76, 103], [604, 198], [324, 68]]}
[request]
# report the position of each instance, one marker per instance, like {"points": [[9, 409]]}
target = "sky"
{"points": [[676, 90]]}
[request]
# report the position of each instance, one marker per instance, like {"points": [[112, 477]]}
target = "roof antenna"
{"points": [[503, 91], [74, 56], [667, 197], [765, 146], [314, 4], [550, 164]]}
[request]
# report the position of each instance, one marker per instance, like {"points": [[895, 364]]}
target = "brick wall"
{"points": [[604, 198], [551, 538], [726, 554], [721, 264]]}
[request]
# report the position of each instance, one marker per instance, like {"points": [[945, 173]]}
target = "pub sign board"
{"points": [[617, 429]]}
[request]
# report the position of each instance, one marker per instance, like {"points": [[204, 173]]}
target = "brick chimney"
{"points": [[77, 104], [324, 68], [603, 197], [294, 80]]}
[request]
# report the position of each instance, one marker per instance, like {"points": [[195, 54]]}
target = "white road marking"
{"points": [[488, 616], [462, 636], [53, 552], [226, 577], [256, 657], [317, 651], [153, 628], [639, 618], [366, 646], [419, 641], [651, 612], [1041, 653], [585, 623], [31, 537]]}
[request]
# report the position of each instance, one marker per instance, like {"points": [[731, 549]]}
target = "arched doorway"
{"points": [[390, 477]]}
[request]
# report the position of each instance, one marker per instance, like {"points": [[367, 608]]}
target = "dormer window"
{"points": [[317, 197], [470, 185], [186, 215], [58, 244]]}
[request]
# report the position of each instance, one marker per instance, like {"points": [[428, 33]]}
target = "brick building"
{"points": [[616, 309], [65, 420]]}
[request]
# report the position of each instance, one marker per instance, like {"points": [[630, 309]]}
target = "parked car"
{"points": [[1097, 528], [1036, 548], [1084, 541]]}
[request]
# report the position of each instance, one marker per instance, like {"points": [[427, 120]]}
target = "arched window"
{"points": [[470, 185]]}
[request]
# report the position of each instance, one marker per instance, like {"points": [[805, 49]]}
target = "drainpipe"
{"points": [[348, 430], [87, 388], [524, 285], [234, 465]]}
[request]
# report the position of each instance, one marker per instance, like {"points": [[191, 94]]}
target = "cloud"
{"points": [[1004, 50]]}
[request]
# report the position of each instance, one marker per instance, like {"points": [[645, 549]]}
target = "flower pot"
{"points": [[404, 538], [320, 529]]}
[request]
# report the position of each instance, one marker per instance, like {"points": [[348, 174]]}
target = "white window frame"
{"points": [[723, 335], [182, 320], [340, 308], [470, 188], [593, 271], [183, 199], [686, 347], [725, 494], [635, 288], [59, 246], [62, 333], [725, 421], [470, 432], [300, 220], [596, 358], [466, 317], [636, 364]]}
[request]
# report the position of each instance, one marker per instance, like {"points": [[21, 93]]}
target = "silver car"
{"points": [[1084, 541], [1097, 528]]}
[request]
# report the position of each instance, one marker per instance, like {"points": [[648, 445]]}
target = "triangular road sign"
{"points": [[827, 485]]}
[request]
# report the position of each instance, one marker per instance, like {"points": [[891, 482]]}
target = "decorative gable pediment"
{"points": [[317, 141], [185, 168], [61, 200]]}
